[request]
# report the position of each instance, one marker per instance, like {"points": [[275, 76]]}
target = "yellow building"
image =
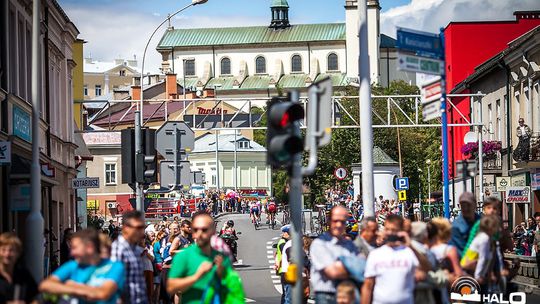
{"points": [[78, 82]]}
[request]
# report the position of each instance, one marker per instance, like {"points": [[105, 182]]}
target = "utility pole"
{"points": [[34, 221], [366, 128]]}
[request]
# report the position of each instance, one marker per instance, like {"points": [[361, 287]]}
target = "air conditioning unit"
{"points": [[111, 205]]}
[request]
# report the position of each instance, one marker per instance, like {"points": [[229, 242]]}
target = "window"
{"points": [[333, 62], [517, 107], [110, 174], [98, 90], [85, 90], [490, 119], [225, 66], [260, 65], [499, 119], [122, 72], [244, 144], [189, 67], [296, 63]]}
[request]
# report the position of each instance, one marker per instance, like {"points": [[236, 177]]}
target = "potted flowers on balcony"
{"points": [[489, 149]]}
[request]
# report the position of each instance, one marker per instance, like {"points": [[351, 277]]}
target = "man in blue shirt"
{"points": [[87, 277], [462, 225]]}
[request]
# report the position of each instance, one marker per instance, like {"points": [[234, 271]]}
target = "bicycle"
{"points": [[286, 216], [272, 220]]}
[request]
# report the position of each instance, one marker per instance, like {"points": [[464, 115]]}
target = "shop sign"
{"points": [[519, 180], [518, 194], [20, 197], [22, 124], [203, 111], [489, 183], [535, 180], [92, 204], [5, 152], [501, 183]]}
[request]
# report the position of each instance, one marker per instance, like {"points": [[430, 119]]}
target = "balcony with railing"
{"points": [[527, 151], [493, 161]]}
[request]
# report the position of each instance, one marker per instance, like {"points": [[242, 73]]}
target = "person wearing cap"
{"points": [[285, 236], [463, 224], [491, 206]]}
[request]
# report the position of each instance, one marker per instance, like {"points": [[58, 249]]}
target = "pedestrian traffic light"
{"points": [[283, 138], [147, 160]]}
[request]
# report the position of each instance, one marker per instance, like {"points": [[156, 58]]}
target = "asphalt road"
{"points": [[255, 255]]}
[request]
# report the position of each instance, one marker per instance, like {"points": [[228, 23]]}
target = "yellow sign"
{"points": [[92, 204], [402, 195]]}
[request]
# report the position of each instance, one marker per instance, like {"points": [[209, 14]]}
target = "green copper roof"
{"points": [[226, 83], [190, 81], [251, 35], [256, 82], [279, 3], [338, 79], [381, 158], [293, 81]]}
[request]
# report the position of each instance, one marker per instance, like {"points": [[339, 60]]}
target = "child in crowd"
{"points": [[346, 293], [480, 254]]}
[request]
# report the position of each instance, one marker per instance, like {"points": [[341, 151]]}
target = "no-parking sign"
{"points": [[340, 173]]}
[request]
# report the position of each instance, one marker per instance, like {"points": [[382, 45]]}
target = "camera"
{"points": [[395, 238]]}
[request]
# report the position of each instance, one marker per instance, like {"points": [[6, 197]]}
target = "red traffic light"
{"points": [[283, 114]]}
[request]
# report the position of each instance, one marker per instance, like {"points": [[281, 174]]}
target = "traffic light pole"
{"points": [[295, 204], [139, 202], [366, 128]]}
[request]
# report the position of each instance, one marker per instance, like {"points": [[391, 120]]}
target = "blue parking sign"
{"points": [[402, 183]]}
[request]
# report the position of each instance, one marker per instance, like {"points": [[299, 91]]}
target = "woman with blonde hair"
{"points": [[16, 283], [446, 254]]}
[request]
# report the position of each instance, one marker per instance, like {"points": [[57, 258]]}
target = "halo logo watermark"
{"points": [[467, 290]]}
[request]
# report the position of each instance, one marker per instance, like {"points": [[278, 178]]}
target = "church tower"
{"points": [[280, 14]]}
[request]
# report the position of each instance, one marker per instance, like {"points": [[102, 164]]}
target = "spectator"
{"points": [[156, 245], [491, 206], [462, 225], [198, 267], [446, 254], [424, 292], [536, 242], [16, 282], [105, 246], [183, 239], [113, 230], [88, 277], [124, 250], [279, 255], [523, 133], [65, 246], [392, 268], [326, 268], [367, 240], [286, 255], [147, 256], [346, 293], [478, 258]]}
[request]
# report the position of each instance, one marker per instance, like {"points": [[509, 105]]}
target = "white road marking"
{"points": [[246, 300], [275, 277], [275, 238], [276, 281], [271, 262], [310, 301], [239, 262], [269, 247], [269, 252], [270, 256], [278, 288]]}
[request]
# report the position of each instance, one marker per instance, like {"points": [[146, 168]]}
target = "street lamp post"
{"points": [[428, 163], [139, 118], [216, 86]]}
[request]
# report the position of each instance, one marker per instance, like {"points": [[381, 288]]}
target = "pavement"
{"points": [[255, 255]]}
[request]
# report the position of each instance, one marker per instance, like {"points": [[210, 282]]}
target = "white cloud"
{"points": [[110, 34], [431, 15]]}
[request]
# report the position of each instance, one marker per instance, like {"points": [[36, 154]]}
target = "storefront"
{"points": [[535, 190], [518, 198]]}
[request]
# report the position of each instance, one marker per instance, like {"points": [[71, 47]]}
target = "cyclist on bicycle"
{"points": [[272, 210], [255, 211]]}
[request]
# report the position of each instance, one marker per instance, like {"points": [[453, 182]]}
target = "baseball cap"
{"points": [[286, 228]]}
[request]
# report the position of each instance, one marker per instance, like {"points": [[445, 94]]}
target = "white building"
{"points": [[254, 60], [234, 151]]}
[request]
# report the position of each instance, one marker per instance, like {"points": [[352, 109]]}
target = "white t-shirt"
{"points": [[481, 245], [393, 270], [284, 257]]}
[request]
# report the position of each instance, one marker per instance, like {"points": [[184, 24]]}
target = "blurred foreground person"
{"points": [[16, 284], [88, 277]]}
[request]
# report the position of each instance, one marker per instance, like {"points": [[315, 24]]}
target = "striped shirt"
{"points": [[134, 290]]}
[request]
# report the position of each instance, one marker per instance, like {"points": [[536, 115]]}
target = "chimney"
{"points": [[135, 92], [171, 87]]}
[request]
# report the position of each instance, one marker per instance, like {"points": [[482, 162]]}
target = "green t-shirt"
{"points": [[186, 262]]}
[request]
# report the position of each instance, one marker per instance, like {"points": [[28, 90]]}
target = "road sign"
{"points": [[197, 177], [518, 194], [421, 43], [167, 174], [319, 120], [502, 183], [402, 183], [5, 152], [85, 183], [431, 91], [169, 134], [340, 173], [431, 110], [418, 64], [402, 195]]}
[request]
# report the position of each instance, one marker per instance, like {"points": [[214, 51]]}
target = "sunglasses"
{"points": [[339, 221], [136, 227], [203, 230]]}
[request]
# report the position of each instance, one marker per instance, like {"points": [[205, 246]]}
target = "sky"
{"points": [[121, 28]]}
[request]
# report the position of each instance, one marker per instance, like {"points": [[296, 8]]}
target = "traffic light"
{"points": [[147, 160], [128, 156], [283, 138]]}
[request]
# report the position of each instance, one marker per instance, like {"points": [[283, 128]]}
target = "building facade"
{"points": [[57, 145], [260, 60], [101, 78], [510, 81]]}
